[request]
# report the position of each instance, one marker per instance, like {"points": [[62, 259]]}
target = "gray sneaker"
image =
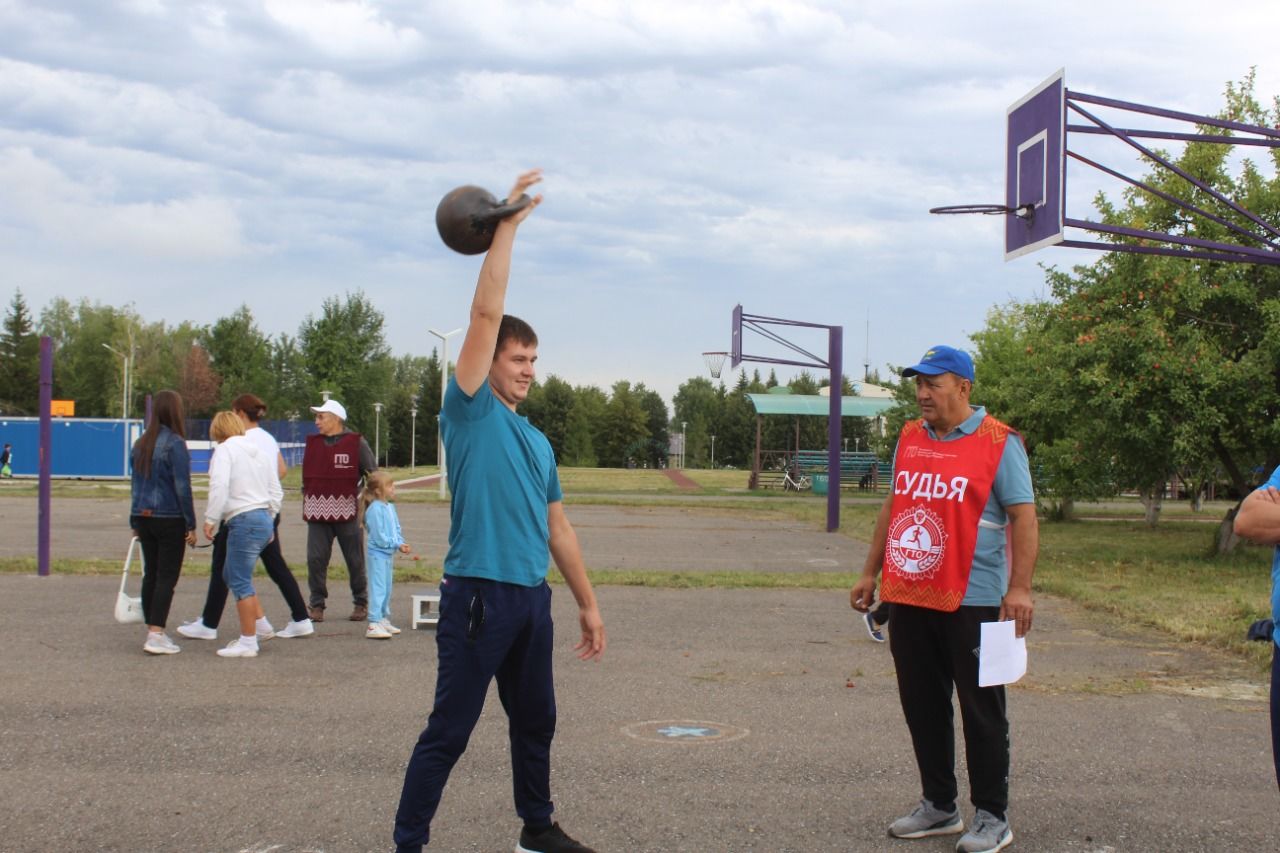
{"points": [[925, 821], [987, 835]]}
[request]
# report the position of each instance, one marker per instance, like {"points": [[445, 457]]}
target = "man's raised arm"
{"points": [[490, 300]]}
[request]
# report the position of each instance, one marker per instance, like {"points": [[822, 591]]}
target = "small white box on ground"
{"points": [[426, 609]]}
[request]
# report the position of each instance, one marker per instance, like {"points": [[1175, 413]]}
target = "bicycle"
{"points": [[797, 483]]}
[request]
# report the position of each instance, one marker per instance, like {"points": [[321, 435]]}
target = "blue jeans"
{"points": [[247, 534]]}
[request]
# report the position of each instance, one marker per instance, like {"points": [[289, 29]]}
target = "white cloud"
{"points": [[347, 29], [72, 215]]}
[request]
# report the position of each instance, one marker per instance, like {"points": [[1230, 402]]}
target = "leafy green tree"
{"points": [[240, 354], [548, 407], [699, 411], [399, 446], [19, 360], [584, 428], [83, 369], [656, 415], [429, 410], [292, 390], [626, 429], [345, 351]]}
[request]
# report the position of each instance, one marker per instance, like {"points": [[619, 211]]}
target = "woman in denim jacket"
{"points": [[162, 514]]}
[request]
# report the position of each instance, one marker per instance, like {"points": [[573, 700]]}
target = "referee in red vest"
{"points": [[956, 540]]}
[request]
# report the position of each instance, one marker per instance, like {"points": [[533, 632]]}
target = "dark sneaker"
{"points": [[927, 820], [359, 614], [550, 840], [987, 835], [316, 614], [875, 633]]}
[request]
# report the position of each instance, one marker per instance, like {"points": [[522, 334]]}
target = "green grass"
{"points": [[1162, 577]]}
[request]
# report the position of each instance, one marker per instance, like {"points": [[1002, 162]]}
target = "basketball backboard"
{"points": [[1035, 168], [735, 348]]}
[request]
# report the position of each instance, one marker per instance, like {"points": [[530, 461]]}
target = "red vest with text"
{"points": [[939, 491], [331, 478]]}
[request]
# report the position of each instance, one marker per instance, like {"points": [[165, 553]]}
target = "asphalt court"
{"points": [[1121, 741]]}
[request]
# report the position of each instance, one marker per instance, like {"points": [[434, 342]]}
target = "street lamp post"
{"points": [[684, 443], [413, 438], [713, 451], [377, 433], [124, 403], [444, 384]]}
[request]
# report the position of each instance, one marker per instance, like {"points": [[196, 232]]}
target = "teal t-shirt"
{"points": [[1274, 483], [502, 473], [989, 576]]}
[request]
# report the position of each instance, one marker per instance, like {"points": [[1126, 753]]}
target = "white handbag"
{"points": [[128, 608]]}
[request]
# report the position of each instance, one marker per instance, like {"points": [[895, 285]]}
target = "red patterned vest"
{"points": [[331, 478], [939, 491]]}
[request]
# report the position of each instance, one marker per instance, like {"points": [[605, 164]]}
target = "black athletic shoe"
{"points": [[550, 840]]}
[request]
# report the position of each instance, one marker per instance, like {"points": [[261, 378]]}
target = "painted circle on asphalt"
{"points": [[684, 731]]}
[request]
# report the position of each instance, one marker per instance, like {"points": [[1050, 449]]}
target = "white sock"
{"points": [[251, 641], [263, 626]]}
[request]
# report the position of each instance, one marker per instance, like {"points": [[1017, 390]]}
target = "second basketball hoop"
{"points": [[715, 361]]}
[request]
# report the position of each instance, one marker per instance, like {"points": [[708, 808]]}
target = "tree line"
{"points": [[342, 350]]}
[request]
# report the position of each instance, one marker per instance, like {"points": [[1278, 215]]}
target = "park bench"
{"points": [[859, 469]]}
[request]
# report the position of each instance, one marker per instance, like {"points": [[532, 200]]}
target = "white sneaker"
{"points": [[297, 629], [196, 630], [376, 631], [235, 649], [388, 627], [160, 644]]}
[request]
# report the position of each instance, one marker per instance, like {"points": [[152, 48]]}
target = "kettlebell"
{"points": [[467, 217]]}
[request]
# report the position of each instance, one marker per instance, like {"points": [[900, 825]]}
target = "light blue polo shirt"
{"points": [[1274, 483], [502, 473], [989, 576]]}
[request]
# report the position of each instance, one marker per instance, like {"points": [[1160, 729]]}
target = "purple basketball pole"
{"points": [[834, 362], [835, 350], [46, 453]]}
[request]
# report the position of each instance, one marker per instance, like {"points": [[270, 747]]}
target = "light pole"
{"points": [[377, 433], [684, 443], [713, 451], [413, 437], [124, 403], [325, 395], [444, 384], [846, 445]]}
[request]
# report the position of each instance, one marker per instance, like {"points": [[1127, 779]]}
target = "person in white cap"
{"points": [[333, 468]]}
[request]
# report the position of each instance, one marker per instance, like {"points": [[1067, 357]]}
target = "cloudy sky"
{"points": [[187, 157]]}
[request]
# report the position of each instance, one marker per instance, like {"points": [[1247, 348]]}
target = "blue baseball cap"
{"points": [[943, 359]]}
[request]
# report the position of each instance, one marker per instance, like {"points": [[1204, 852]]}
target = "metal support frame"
{"points": [[46, 457], [834, 363], [1267, 250]]}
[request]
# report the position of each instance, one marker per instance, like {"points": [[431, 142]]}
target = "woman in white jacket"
{"points": [[245, 493]]}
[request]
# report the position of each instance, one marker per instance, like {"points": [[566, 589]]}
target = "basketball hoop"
{"points": [[715, 361], [1026, 211]]}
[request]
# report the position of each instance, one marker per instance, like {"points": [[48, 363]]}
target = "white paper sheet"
{"points": [[1002, 657]]}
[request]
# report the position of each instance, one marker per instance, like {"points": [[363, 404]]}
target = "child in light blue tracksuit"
{"points": [[382, 541]]}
